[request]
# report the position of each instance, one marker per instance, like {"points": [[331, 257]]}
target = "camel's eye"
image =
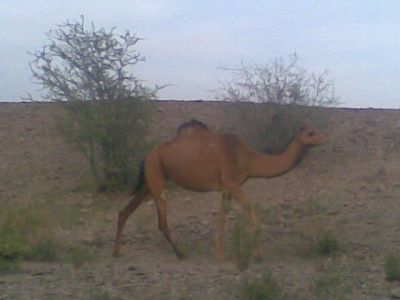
{"points": [[311, 133]]}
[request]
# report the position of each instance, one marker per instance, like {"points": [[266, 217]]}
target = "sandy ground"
{"points": [[349, 186]]}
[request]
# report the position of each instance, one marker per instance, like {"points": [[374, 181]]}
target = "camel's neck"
{"points": [[262, 165]]}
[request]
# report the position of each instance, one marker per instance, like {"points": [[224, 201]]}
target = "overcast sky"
{"points": [[186, 41]]}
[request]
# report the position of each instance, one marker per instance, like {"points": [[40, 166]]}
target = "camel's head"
{"points": [[309, 136]]}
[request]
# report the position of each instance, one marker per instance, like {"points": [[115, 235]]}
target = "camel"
{"points": [[202, 160]]}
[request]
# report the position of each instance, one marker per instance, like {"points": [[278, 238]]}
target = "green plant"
{"points": [[112, 137], [88, 71], [245, 238], [326, 243], [331, 283], [24, 235], [17, 227], [43, 249], [287, 85], [392, 266], [12, 244], [99, 294], [282, 125], [7, 266], [78, 255], [282, 81], [265, 288]]}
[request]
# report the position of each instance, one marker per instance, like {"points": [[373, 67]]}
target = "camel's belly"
{"points": [[193, 171], [200, 178]]}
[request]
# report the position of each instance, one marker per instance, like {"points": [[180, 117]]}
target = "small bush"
{"points": [[44, 249], [78, 255], [89, 71], [7, 266], [12, 245], [326, 244], [282, 81], [264, 289], [392, 266], [16, 227], [24, 235], [113, 137], [286, 84], [331, 284], [99, 294], [245, 238]]}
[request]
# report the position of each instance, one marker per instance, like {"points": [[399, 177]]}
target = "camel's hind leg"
{"points": [[123, 215]]}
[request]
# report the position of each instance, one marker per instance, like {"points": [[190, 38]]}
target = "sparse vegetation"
{"points": [[112, 136], [7, 266], [326, 243], [265, 288], [99, 294], [77, 255], [88, 71], [392, 266], [331, 283], [44, 249], [282, 82], [245, 238], [24, 235]]}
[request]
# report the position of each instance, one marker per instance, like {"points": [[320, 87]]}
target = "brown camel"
{"points": [[201, 160]]}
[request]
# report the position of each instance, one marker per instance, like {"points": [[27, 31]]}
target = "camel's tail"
{"points": [[139, 179]]}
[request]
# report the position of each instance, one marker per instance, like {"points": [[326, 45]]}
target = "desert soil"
{"points": [[349, 186]]}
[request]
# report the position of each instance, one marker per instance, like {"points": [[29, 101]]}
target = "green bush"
{"points": [[332, 283], [326, 244], [24, 235], [245, 238], [264, 289], [14, 233], [112, 135], [283, 125], [392, 266], [7, 266], [12, 245], [89, 71], [290, 89], [44, 249], [78, 255], [99, 294]]}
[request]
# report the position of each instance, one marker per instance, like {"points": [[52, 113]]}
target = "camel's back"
{"points": [[191, 124]]}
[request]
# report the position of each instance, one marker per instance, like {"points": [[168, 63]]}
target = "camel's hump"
{"points": [[192, 124]]}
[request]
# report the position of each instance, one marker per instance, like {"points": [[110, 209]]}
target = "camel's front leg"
{"points": [[237, 194], [155, 178], [163, 224], [219, 236]]}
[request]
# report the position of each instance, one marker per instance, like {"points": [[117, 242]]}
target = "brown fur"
{"points": [[201, 160]]}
